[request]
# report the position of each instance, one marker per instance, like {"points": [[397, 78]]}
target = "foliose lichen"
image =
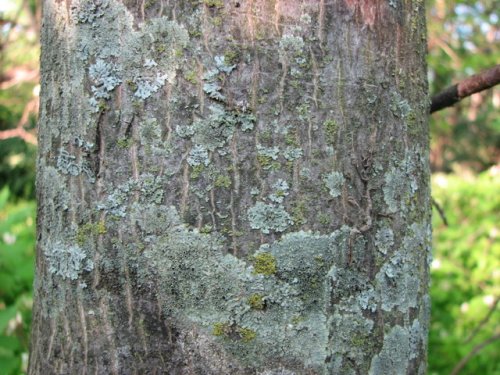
{"points": [[280, 191], [269, 217], [334, 182], [105, 79], [292, 153], [198, 156], [212, 86], [67, 261], [384, 239]]}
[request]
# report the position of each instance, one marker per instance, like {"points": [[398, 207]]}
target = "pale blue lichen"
{"points": [[69, 165], [269, 152], [198, 156], [384, 239], [148, 86], [87, 11], [269, 217], [67, 261], [115, 202], [212, 89], [105, 79], [400, 106], [255, 191], [222, 65], [292, 153], [393, 358], [218, 128], [211, 86], [185, 131], [66, 163], [351, 329], [334, 181], [280, 191], [394, 188], [292, 43], [246, 121], [398, 281], [151, 188]]}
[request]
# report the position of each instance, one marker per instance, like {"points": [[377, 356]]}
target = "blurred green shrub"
{"points": [[466, 274], [17, 244]]}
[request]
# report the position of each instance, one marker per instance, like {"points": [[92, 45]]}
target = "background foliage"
{"points": [[463, 40]]}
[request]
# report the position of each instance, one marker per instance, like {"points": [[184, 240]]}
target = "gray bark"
{"points": [[232, 187]]}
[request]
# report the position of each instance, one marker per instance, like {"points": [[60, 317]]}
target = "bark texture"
{"points": [[232, 187]]}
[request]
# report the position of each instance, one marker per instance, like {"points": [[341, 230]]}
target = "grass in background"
{"points": [[466, 274], [17, 240]]}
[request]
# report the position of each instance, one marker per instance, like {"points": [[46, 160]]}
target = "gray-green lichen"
{"points": [[292, 153], [213, 290], [334, 182], [384, 239], [87, 11], [69, 164], [269, 217], [104, 78], [215, 131], [396, 351], [280, 191], [67, 261], [198, 156], [212, 86], [401, 184]]}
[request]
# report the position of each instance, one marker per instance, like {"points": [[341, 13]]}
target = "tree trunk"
{"points": [[232, 187]]}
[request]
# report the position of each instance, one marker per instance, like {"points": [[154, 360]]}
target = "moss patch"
{"points": [[264, 263]]}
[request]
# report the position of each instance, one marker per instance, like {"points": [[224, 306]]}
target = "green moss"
{"points": [[223, 181], [214, 3], [324, 219], [161, 48], [149, 4], [221, 329], [217, 21], [264, 263], [231, 56], [192, 77], [124, 142], [291, 139], [256, 301], [89, 229], [330, 128], [206, 229], [247, 334], [266, 136], [299, 213], [196, 171], [132, 85]]}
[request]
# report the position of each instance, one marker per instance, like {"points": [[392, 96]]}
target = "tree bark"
{"points": [[232, 187]]}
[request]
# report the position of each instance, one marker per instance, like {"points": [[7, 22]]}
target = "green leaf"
{"points": [[5, 316], [10, 343], [4, 195]]}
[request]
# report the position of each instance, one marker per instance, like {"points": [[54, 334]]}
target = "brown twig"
{"points": [[484, 321], [460, 365], [465, 88], [18, 132], [440, 211]]}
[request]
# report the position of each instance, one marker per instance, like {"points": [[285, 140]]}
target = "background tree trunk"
{"points": [[232, 187]]}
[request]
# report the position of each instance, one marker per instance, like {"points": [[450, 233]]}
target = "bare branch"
{"points": [[18, 132], [460, 365], [440, 211], [483, 322], [467, 87]]}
